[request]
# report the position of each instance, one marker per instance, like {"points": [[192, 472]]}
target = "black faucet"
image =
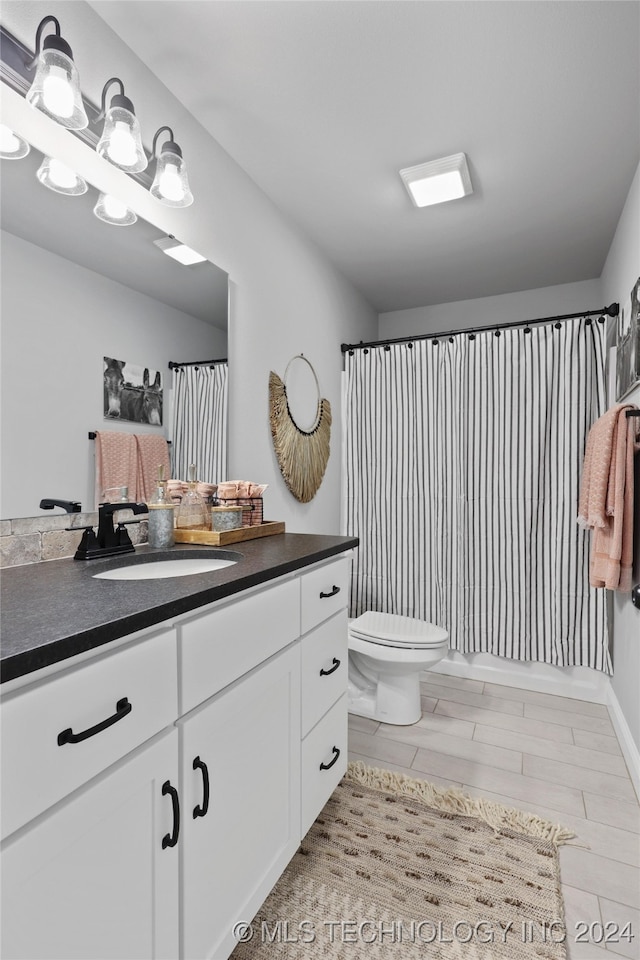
{"points": [[71, 506], [108, 541]]}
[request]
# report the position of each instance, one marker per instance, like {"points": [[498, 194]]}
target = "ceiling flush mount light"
{"points": [[56, 87], [438, 180], [114, 211], [121, 140], [179, 251], [12, 147], [170, 184], [59, 177]]}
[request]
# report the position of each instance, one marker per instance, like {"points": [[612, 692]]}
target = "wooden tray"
{"points": [[222, 537]]}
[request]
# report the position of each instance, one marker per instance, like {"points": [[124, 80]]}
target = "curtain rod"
{"points": [[611, 311], [195, 363]]}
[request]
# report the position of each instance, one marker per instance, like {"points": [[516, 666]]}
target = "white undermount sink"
{"points": [[166, 567]]}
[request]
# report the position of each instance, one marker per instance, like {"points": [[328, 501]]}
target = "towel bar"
{"points": [[92, 434]]}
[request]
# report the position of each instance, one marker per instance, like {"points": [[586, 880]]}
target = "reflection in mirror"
{"points": [[76, 289]]}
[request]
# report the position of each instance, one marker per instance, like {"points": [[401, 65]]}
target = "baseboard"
{"points": [[625, 739], [578, 683]]}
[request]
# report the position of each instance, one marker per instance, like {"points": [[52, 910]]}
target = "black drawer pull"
{"points": [[327, 766], [327, 673], [200, 811], [170, 839], [123, 707], [332, 593]]}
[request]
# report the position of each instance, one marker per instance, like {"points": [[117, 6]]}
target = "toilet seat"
{"points": [[393, 630]]}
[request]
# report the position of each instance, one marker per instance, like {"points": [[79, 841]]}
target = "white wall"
{"points": [[620, 273], [506, 308], [58, 322], [286, 297]]}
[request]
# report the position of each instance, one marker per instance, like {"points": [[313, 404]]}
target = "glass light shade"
{"points": [[56, 89], [12, 147], [121, 140], [170, 184], [59, 177], [114, 211]]}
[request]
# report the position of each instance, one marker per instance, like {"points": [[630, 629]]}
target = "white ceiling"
{"points": [[322, 102]]}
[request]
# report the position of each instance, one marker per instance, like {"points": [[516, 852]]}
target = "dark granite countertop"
{"points": [[56, 609]]}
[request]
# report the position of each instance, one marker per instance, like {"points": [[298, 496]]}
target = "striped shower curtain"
{"points": [[199, 422], [462, 462]]}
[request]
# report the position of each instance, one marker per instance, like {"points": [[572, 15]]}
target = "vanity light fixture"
{"points": [[438, 180], [170, 184], [179, 251], [56, 86], [59, 177], [12, 147], [114, 211], [121, 140]]}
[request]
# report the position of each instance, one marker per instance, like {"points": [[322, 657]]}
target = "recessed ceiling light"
{"points": [[179, 251], [438, 180]]}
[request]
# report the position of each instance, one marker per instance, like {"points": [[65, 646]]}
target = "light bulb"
{"points": [[57, 176], [57, 93], [112, 210], [122, 147], [114, 207], [170, 184], [61, 174], [12, 147]]}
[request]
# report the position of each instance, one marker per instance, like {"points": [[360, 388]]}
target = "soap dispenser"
{"points": [[161, 515], [192, 512]]}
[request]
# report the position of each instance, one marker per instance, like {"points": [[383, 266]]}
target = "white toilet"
{"points": [[386, 654]]}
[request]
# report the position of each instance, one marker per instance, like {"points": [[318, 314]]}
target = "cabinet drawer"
{"points": [[224, 644], [324, 761], [324, 668], [37, 770], [324, 592]]}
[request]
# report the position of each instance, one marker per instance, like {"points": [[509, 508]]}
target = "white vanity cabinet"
{"points": [[324, 669], [93, 875], [240, 753], [153, 795], [241, 774]]}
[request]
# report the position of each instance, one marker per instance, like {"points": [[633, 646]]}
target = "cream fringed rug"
{"points": [[397, 867]]}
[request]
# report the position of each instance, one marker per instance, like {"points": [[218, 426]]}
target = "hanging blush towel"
{"points": [[606, 498], [116, 463], [152, 453], [302, 454]]}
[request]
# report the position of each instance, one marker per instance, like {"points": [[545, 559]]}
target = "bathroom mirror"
{"points": [[76, 289]]}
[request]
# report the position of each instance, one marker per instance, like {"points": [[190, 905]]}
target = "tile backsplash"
{"points": [[34, 539]]}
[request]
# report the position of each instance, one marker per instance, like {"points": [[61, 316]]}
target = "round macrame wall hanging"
{"points": [[302, 454]]}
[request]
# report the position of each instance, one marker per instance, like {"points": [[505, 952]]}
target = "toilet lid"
{"points": [[395, 630]]}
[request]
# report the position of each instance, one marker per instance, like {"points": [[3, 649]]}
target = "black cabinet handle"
{"points": [[201, 811], [327, 766], [123, 707], [170, 839], [327, 673], [332, 593]]}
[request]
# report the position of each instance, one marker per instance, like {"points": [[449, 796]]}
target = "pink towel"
{"points": [[606, 497], [116, 462], [152, 452]]}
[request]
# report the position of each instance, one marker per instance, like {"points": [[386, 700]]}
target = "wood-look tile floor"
{"points": [[552, 756]]}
